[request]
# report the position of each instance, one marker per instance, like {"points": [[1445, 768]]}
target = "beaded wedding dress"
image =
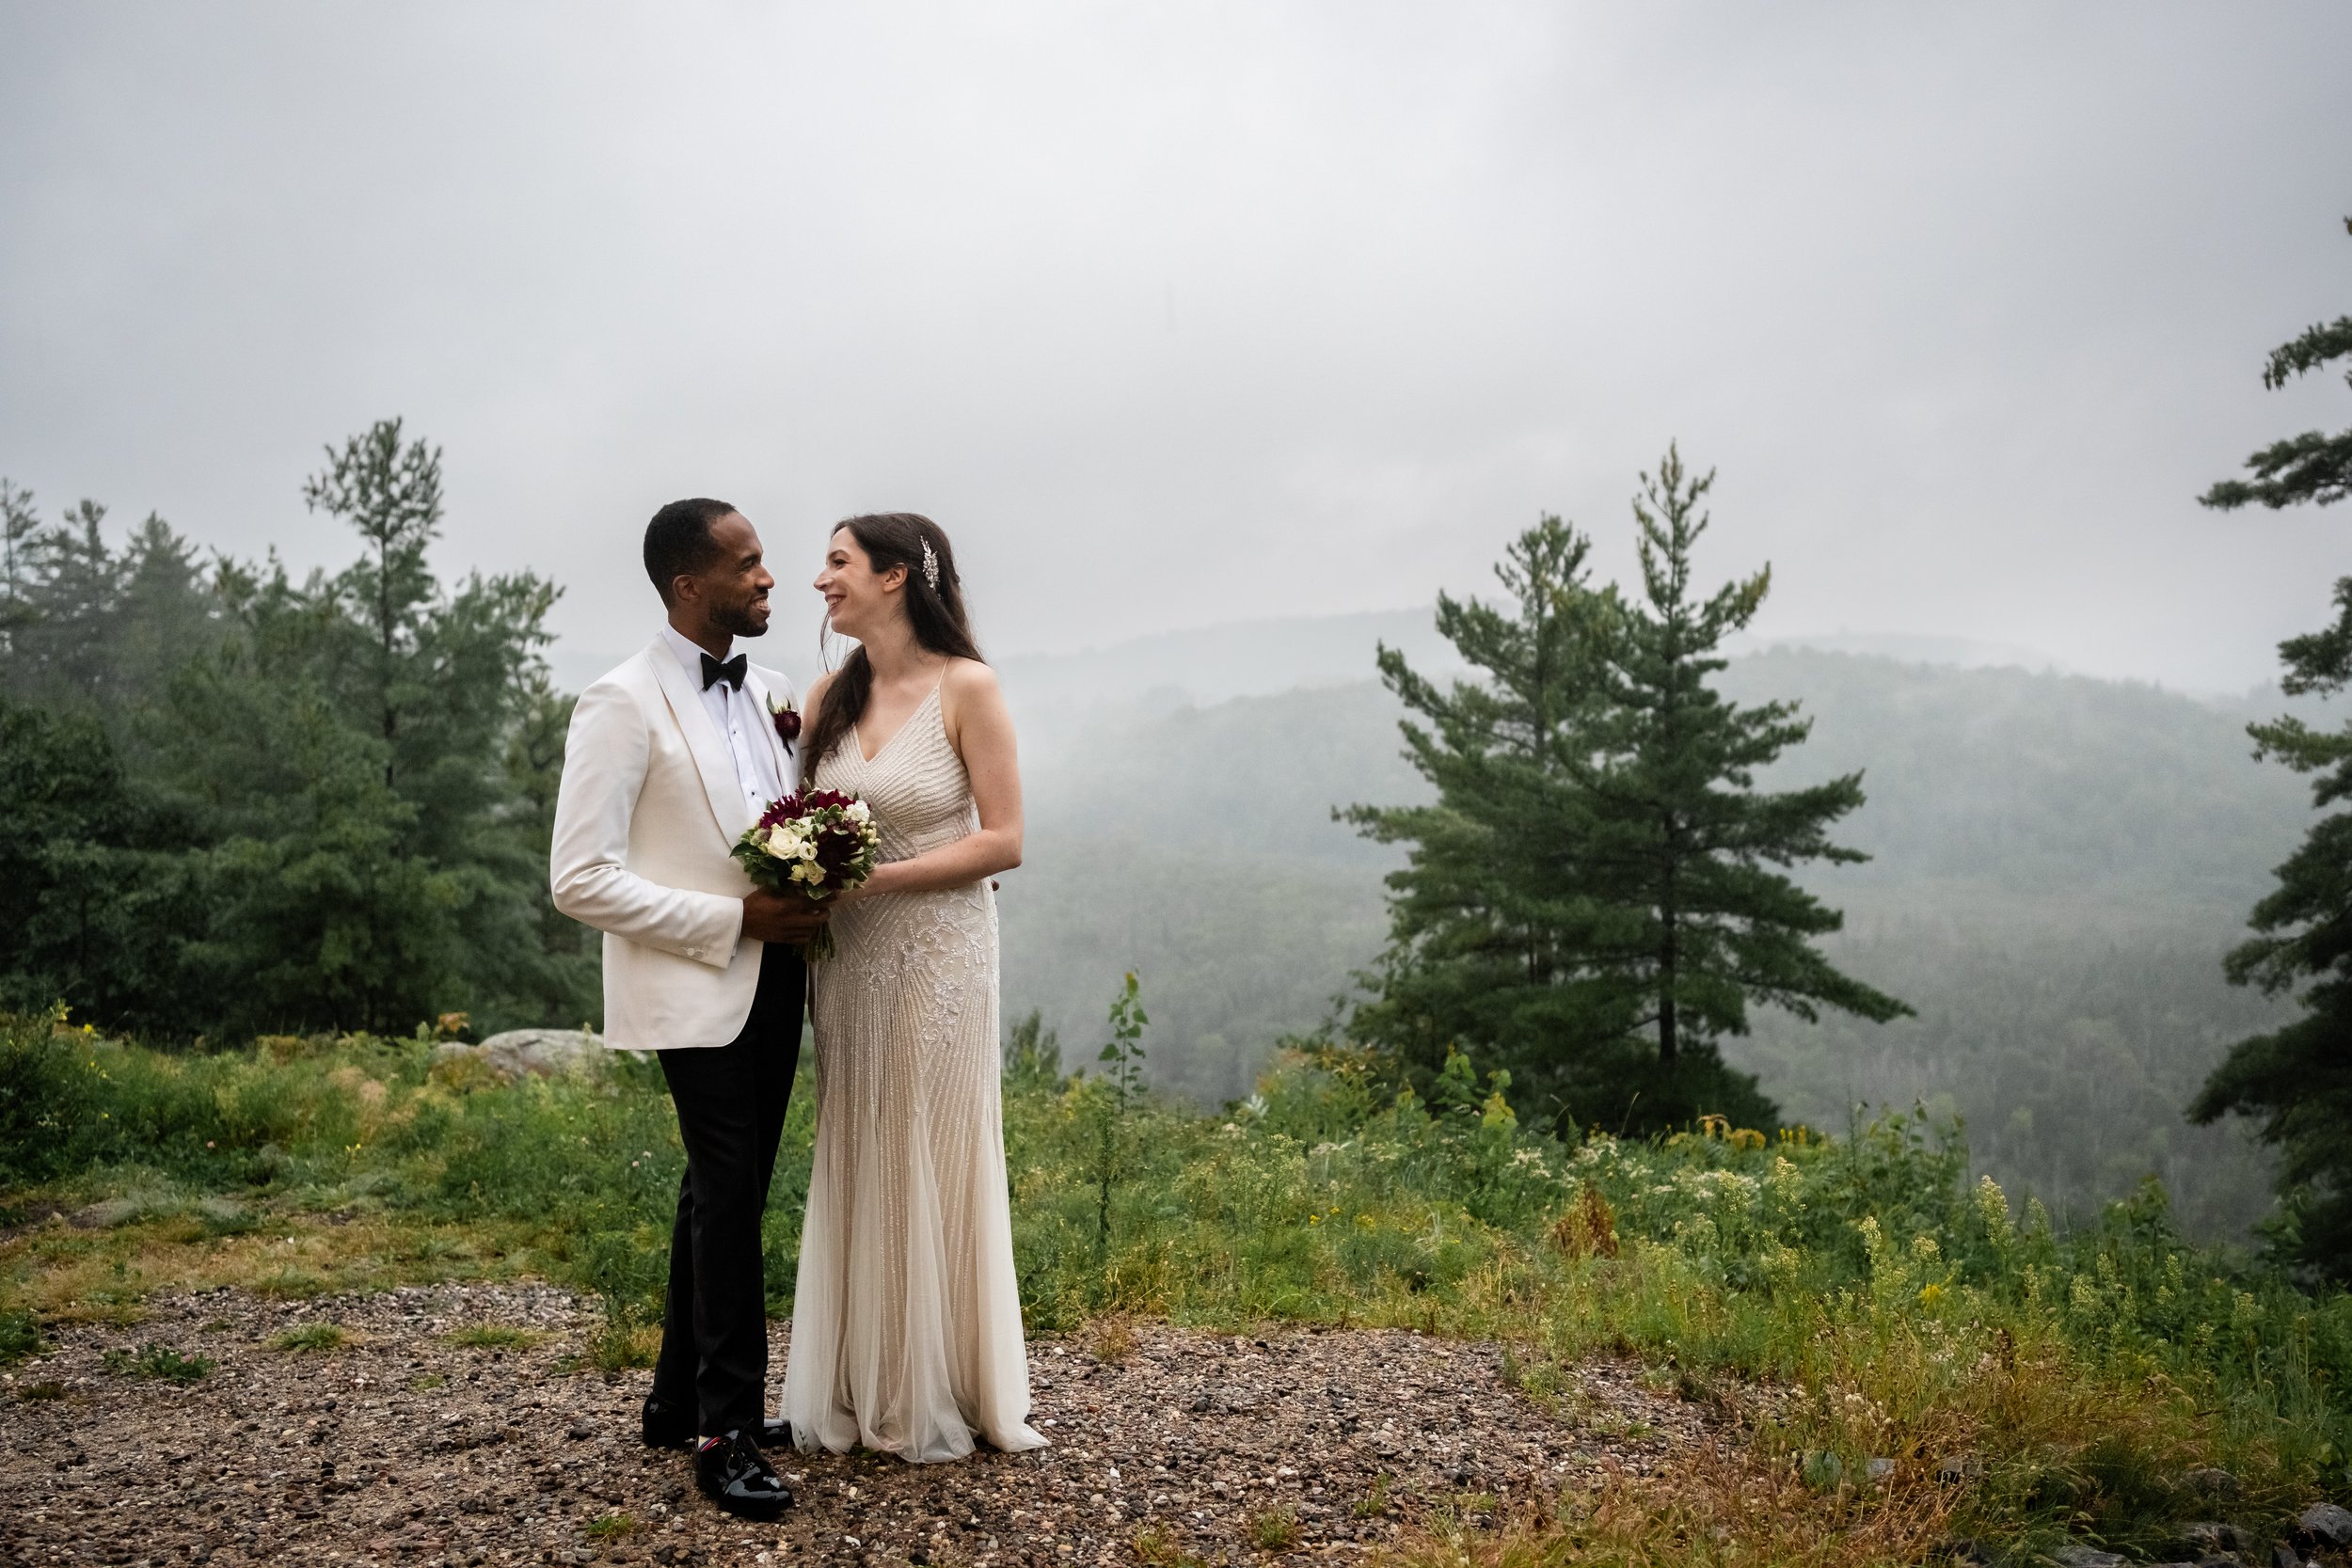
{"points": [[906, 1320]]}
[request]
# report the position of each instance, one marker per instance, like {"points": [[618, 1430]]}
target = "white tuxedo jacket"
{"points": [[649, 807]]}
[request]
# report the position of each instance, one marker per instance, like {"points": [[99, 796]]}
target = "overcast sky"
{"points": [[1179, 313]]}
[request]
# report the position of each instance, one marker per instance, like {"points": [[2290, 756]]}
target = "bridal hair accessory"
{"points": [[931, 566]]}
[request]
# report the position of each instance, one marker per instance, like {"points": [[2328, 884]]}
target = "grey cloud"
{"points": [[1182, 313]]}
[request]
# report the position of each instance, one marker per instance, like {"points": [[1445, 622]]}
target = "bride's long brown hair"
{"points": [[935, 615]]}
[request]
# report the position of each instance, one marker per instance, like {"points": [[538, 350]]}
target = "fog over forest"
{"points": [[2058, 864]]}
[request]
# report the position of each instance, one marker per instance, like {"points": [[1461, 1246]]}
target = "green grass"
{"points": [[1154, 1549], [309, 1337], [1275, 1529], [2066, 1382], [158, 1361], [609, 1527]]}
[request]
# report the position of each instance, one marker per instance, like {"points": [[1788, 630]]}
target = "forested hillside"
{"points": [[2060, 863], [235, 802]]}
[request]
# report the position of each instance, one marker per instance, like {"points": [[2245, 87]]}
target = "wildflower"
{"points": [[1992, 1207], [1930, 1295]]}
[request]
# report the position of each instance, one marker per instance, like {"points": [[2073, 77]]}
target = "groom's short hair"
{"points": [[678, 541]]}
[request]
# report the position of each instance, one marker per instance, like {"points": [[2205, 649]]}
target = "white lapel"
{"points": [[755, 688], [712, 759]]}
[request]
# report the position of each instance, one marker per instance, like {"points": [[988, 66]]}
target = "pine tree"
{"points": [[1593, 901], [1682, 836], [391, 496], [2314, 467], [87, 628], [2299, 1079], [19, 525], [1489, 919]]}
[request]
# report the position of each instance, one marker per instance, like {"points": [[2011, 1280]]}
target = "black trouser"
{"points": [[730, 1103]]}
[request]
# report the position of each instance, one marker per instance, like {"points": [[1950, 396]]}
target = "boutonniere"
{"points": [[787, 722]]}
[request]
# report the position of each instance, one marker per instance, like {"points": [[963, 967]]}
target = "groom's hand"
{"points": [[773, 917]]}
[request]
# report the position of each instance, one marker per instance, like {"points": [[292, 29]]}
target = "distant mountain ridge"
{"points": [[1258, 657], [1203, 665]]}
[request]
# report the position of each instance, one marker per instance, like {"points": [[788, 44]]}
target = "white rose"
{"points": [[860, 810]]}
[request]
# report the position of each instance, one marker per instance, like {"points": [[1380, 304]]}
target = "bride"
{"points": [[906, 1320]]}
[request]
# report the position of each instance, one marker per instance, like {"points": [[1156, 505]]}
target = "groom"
{"points": [[671, 756]]}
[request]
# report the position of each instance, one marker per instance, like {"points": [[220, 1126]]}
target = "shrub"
{"points": [[158, 1361], [48, 1098], [309, 1337], [20, 1335]]}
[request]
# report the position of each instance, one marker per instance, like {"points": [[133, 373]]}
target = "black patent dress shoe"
{"points": [[733, 1473], [672, 1426]]}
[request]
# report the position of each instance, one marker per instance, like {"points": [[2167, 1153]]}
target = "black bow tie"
{"points": [[731, 671]]}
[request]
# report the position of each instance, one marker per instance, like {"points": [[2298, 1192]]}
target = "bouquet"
{"points": [[815, 843]]}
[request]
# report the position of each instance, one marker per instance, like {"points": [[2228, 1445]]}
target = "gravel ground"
{"points": [[404, 1447]]}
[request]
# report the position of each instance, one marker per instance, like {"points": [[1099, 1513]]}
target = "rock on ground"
{"points": [[2328, 1523], [403, 1445], [535, 1053]]}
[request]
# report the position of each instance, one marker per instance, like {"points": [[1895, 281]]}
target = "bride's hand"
{"points": [[877, 883]]}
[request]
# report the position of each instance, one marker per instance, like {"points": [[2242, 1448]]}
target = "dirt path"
{"points": [[405, 1446]]}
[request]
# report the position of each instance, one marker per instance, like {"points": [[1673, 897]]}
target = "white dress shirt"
{"points": [[735, 714]]}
